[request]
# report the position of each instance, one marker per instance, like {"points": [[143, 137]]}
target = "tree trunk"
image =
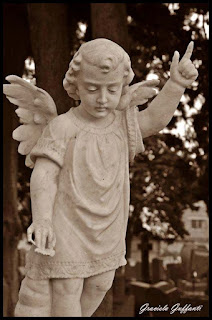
{"points": [[15, 35], [109, 20], [51, 47]]}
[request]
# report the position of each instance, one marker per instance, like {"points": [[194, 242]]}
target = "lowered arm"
{"points": [[43, 189]]}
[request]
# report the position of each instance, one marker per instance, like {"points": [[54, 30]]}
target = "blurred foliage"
{"points": [[175, 169], [172, 174]]}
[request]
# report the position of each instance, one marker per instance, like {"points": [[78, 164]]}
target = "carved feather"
{"points": [[35, 109], [137, 94]]}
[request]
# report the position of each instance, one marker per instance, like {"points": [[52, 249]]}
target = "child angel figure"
{"points": [[80, 182]]}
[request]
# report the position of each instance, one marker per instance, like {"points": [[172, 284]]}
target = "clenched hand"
{"points": [[183, 72]]}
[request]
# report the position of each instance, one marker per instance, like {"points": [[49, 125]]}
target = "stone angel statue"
{"points": [[80, 180]]}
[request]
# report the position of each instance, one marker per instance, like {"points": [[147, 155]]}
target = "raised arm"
{"points": [[161, 109], [43, 189]]}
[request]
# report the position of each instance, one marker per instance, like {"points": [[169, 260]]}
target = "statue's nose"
{"points": [[102, 96]]}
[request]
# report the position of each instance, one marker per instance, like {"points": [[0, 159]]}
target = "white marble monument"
{"points": [[80, 180]]}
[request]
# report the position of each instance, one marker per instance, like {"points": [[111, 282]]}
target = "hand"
{"points": [[44, 234], [183, 72], [138, 94]]}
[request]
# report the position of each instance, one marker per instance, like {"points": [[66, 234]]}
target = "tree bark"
{"points": [[51, 47], [109, 20], [15, 38]]}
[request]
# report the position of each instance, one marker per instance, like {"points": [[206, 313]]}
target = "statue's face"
{"points": [[99, 92]]}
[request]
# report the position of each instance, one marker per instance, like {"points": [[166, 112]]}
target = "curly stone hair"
{"points": [[103, 53]]}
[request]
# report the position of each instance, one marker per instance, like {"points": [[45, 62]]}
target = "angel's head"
{"points": [[100, 61]]}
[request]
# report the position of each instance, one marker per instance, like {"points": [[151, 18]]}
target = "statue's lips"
{"points": [[101, 109]]}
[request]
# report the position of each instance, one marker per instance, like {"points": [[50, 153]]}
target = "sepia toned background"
{"points": [[167, 236]]}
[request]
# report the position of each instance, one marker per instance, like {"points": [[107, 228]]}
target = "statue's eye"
{"points": [[92, 88], [113, 89]]}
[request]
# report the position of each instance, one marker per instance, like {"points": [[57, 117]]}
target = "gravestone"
{"points": [[139, 290], [158, 271]]}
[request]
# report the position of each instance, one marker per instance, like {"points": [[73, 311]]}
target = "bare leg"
{"points": [[66, 297], [94, 290], [34, 298]]}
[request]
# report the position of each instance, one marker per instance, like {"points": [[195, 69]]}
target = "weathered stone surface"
{"points": [[80, 181]]}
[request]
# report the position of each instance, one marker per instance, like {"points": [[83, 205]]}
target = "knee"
{"points": [[101, 283], [35, 286], [103, 286], [34, 291], [67, 286]]}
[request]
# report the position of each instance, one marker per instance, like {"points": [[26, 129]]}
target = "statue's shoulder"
{"points": [[61, 122], [62, 126]]}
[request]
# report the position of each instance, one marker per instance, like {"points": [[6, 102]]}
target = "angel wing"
{"points": [[138, 94], [133, 96], [35, 109]]}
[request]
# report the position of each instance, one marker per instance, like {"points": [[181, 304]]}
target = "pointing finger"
{"points": [[189, 51], [175, 60]]}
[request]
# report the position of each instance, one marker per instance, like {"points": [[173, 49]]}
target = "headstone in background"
{"points": [[162, 293], [194, 257], [139, 290], [186, 258], [158, 271], [200, 261], [176, 271], [193, 288]]}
